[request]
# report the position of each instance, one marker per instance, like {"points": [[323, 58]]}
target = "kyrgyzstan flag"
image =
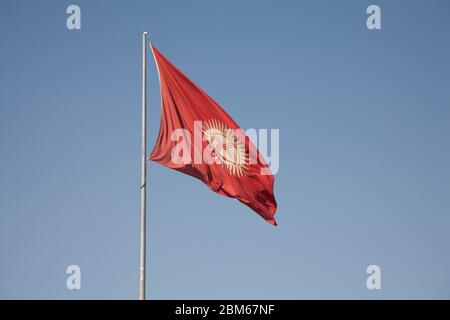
{"points": [[199, 138]]}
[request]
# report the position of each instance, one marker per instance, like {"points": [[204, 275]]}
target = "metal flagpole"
{"points": [[143, 169]]}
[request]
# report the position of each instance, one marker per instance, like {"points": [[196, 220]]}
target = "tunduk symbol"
{"points": [[227, 147]]}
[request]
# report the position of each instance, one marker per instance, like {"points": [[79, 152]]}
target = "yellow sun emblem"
{"points": [[227, 148]]}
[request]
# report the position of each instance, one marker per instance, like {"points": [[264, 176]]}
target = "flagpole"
{"points": [[143, 170]]}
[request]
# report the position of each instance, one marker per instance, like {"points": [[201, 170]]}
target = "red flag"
{"points": [[199, 138]]}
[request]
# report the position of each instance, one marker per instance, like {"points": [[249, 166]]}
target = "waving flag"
{"points": [[198, 138]]}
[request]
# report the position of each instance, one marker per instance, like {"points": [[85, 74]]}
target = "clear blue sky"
{"points": [[364, 119]]}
